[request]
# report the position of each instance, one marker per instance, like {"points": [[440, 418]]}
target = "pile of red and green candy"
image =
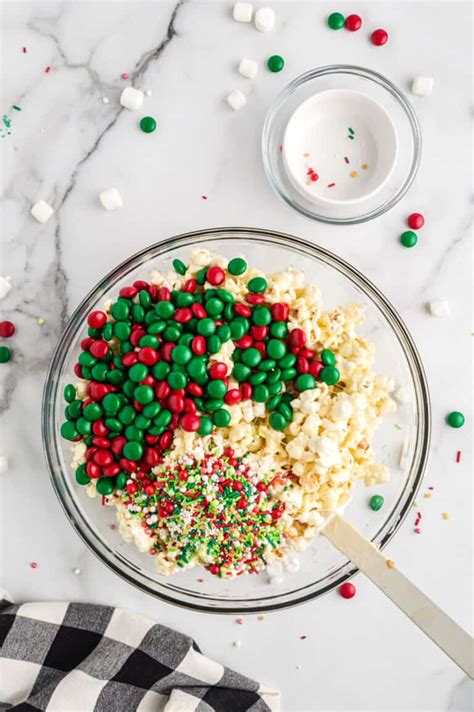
{"points": [[149, 370], [214, 510]]}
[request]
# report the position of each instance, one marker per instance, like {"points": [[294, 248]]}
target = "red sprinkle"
{"points": [[347, 590], [47, 70], [23, 49], [458, 456], [204, 197], [346, 159], [417, 530], [33, 565], [124, 75], [303, 637], [331, 185]]}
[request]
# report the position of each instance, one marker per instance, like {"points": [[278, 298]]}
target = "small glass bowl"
{"points": [[322, 566], [375, 86]]}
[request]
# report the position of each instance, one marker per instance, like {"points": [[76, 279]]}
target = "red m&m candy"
{"points": [[353, 23], [6, 329], [379, 37], [415, 221], [347, 590]]}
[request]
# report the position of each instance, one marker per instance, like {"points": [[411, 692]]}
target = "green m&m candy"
{"points": [[408, 238], [221, 418], [329, 375], [148, 124], [328, 358], [275, 63], [336, 20], [237, 266], [105, 486], [455, 419], [257, 285], [376, 502]]}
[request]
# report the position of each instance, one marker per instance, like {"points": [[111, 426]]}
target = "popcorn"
{"points": [[42, 211], [248, 68], [243, 12], [111, 199], [439, 308], [5, 286], [422, 86], [236, 100], [265, 19], [131, 98]]}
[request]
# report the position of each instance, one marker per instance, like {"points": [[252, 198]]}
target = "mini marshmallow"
{"points": [[236, 100], [248, 68], [265, 19], [243, 12], [111, 199], [131, 98], [5, 286], [3, 464], [402, 395], [422, 86], [42, 211], [439, 307]]}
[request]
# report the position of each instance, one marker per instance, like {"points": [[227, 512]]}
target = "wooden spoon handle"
{"points": [[438, 626]]}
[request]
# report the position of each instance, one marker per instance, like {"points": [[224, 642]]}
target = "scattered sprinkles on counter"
{"points": [[350, 133], [3, 464], [77, 571], [347, 590], [41, 321], [124, 75], [390, 564], [445, 515], [33, 565], [24, 50], [47, 70], [458, 456], [239, 621]]}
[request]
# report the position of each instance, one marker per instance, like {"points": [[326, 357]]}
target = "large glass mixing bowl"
{"points": [[322, 566]]}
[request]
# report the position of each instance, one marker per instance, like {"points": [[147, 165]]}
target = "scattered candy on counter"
{"points": [[131, 98], [3, 464], [243, 12], [265, 19], [148, 92], [422, 86], [33, 565], [111, 199], [379, 37], [260, 618], [236, 100], [303, 637], [148, 124], [458, 456], [7, 329], [347, 590], [204, 197], [5, 286], [42, 211], [124, 75], [236, 643], [24, 50], [415, 221], [248, 68], [439, 308], [239, 621], [105, 100], [455, 419], [41, 321], [5, 354], [445, 515], [275, 63], [47, 70], [353, 23], [408, 238], [376, 502], [77, 571], [390, 564], [336, 21]]}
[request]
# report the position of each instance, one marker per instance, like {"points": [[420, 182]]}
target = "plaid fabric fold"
{"points": [[76, 657]]}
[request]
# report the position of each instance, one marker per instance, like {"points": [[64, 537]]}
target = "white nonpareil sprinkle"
{"points": [[236, 100], [148, 92], [422, 86], [105, 100], [5, 286], [265, 19], [248, 68], [131, 98], [243, 12], [236, 643], [42, 211], [402, 395], [76, 571], [111, 199], [3, 464], [439, 307]]}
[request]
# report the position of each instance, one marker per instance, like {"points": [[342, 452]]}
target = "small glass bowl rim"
{"points": [[69, 336], [334, 69]]}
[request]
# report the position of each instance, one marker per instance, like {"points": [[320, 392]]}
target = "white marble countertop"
{"points": [[66, 146]]}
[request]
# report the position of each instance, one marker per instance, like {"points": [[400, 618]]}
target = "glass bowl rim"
{"points": [[50, 443], [356, 70]]}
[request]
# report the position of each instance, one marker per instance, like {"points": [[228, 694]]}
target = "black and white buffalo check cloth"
{"points": [[79, 657]]}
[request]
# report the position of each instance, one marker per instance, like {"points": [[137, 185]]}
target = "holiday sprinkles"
{"points": [[223, 413]]}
